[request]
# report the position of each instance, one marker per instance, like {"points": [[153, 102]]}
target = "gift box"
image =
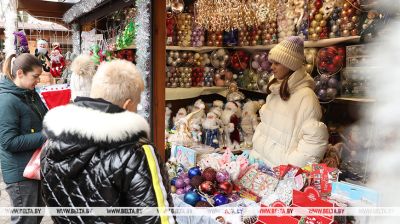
{"points": [[258, 183], [189, 157], [284, 190], [311, 198], [322, 178]]}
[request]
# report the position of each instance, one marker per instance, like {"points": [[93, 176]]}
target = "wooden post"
{"points": [[158, 73]]}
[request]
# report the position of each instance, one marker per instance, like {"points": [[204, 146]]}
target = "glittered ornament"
{"points": [[209, 174], [225, 187], [173, 180], [191, 198], [194, 171], [180, 191], [207, 187], [239, 60], [188, 188], [222, 176], [220, 199], [179, 183], [186, 180], [196, 181]]}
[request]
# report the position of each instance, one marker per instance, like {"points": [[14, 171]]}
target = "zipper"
{"points": [[35, 108]]}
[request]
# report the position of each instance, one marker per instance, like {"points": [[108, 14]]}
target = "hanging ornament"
{"points": [[126, 38]]}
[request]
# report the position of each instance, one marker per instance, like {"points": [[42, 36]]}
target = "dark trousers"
{"points": [[26, 193]]}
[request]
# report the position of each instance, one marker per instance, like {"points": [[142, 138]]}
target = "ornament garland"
{"points": [[143, 59]]}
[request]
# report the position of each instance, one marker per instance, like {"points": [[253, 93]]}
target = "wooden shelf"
{"points": [[319, 43], [193, 92], [355, 99], [309, 43]]}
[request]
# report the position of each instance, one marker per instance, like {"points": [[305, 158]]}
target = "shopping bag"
{"points": [[32, 169]]}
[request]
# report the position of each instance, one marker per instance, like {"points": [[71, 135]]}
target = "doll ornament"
{"points": [[41, 52], [249, 121], [183, 136], [57, 61], [231, 119], [211, 129]]}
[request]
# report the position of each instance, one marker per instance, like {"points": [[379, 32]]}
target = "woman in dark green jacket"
{"points": [[21, 116]]}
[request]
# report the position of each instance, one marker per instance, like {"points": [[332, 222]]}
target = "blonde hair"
{"points": [[117, 81], [83, 69]]}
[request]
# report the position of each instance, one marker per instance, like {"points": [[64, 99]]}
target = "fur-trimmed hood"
{"points": [[94, 120]]}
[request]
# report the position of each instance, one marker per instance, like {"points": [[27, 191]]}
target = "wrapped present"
{"points": [[258, 182], [284, 190], [311, 198], [322, 178]]}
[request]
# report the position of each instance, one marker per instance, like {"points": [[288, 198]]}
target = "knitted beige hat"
{"points": [[289, 53]]}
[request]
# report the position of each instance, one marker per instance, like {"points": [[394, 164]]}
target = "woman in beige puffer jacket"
{"points": [[290, 131]]}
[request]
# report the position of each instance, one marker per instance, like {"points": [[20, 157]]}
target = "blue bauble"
{"points": [[191, 198], [194, 171], [220, 199], [173, 180]]}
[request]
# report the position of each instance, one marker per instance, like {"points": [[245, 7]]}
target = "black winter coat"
{"points": [[95, 157]]}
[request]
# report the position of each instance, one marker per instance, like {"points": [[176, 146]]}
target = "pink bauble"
{"points": [[180, 191], [179, 183], [186, 180], [222, 176], [255, 65], [265, 65]]}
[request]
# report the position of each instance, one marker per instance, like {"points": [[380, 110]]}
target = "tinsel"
{"points": [[81, 8], [76, 39], [10, 15], [143, 59]]}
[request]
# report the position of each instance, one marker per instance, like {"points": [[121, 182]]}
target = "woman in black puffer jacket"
{"points": [[98, 153]]}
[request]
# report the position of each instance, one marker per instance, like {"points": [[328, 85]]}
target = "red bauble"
{"points": [[323, 64], [225, 187], [318, 4], [207, 187], [331, 68], [341, 51], [337, 60], [331, 51], [236, 66], [322, 54], [209, 174]]}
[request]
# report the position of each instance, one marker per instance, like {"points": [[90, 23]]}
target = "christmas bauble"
{"points": [[322, 94], [196, 181], [179, 183], [194, 171], [209, 174], [188, 188], [173, 180], [186, 180], [332, 82], [331, 93], [191, 198], [180, 191], [173, 189], [222, 176], [220, 199], [225, 187], [207, 187]]}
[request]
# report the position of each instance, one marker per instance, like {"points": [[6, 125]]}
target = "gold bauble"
{"points": [[318, 17]]}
